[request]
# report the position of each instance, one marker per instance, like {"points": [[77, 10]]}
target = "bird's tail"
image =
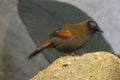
{"points": [[39, 49]]}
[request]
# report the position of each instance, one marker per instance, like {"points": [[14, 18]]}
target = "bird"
{"points": [[69, 37]]}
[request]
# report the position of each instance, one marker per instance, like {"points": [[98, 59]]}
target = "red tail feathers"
{"points": [[39, 49]]}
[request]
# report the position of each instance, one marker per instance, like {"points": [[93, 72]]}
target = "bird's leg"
{"points": [[73, 53]]}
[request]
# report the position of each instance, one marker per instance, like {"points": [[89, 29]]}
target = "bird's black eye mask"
{"points": [[94, 27]]}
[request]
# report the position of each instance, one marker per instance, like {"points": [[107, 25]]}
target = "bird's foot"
{"points": [[73, 53]]}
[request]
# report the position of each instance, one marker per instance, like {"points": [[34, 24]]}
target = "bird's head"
{"points": [[93, 27]]}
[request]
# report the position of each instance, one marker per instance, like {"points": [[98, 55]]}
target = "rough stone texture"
{"points": [[90, 66]]}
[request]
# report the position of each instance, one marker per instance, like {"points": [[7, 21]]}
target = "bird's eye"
{"points": [[92, 24]]}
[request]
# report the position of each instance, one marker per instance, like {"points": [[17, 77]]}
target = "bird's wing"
{"points": [[64, 34]]}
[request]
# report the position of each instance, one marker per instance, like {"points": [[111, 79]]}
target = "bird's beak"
{"points": [[100, 31]]}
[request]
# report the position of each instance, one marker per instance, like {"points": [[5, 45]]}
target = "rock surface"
{"points": [[90, 66]]}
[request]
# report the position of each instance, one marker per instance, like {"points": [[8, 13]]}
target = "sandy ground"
{"points": [[13, 35]]}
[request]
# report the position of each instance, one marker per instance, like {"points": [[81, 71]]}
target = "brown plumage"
{"points": [[70, 37]]}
